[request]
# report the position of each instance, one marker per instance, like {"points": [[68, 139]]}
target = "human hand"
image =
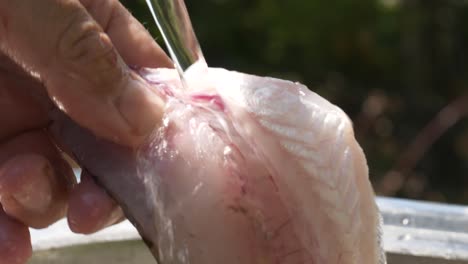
{"points": [[74, 52]]}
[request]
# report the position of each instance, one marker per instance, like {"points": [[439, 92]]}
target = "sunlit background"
{"points": [[398, 68]]}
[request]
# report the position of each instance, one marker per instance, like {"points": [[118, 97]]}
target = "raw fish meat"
{"points": [[243, 170]]}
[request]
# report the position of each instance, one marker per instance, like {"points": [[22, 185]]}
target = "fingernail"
{"points": [[91, 209], [26, 183], [90, 214], [142, 109], [114, 217]]}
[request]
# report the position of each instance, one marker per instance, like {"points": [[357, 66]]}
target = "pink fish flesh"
{"points": [[244, 170]]}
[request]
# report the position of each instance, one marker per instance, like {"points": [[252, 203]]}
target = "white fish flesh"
{"points": [[244, 170]]}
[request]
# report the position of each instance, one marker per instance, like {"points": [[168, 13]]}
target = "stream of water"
{"points": [[174, 23]]}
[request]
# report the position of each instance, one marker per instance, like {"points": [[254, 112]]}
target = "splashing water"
{"points": [[173, 21]]}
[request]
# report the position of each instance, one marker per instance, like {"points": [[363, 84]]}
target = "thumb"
{"points": [[80, 67]]}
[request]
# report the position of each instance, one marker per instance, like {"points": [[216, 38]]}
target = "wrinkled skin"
{"points": [[243, 169], [72, 54]]}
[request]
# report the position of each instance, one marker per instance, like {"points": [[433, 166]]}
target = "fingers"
{"points": [[132, 40], [27, 110], [22, 106], [91, 208], [80, 66], [18, 112], [33, 187], [27, 186], [15, 244], [36, 189]]}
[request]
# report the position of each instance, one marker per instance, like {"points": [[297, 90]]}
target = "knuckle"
{"points": [[79, 39], [92, 5], [105, 12], [84, 49]]}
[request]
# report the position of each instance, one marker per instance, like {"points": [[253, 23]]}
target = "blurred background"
{"points": [[399, 69]]}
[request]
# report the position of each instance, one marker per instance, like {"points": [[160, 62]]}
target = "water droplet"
{"points": [[227, 150], [404, 237], [59, 104], [405, 221]]}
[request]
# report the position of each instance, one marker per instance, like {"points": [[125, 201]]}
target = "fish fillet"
{"points": [[244, 170]]}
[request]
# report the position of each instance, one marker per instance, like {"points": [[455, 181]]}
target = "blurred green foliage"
{"points": [[392, 65]]}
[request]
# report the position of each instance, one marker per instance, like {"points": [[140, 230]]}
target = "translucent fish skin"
{"points": [[245, 170]]}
